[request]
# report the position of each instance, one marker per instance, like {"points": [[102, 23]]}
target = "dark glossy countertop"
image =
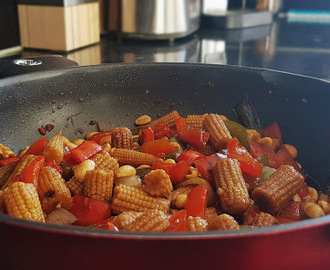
{"points": [[302, 48]]}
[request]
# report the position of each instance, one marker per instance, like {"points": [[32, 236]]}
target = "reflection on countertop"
{"points": [[302, 48]]}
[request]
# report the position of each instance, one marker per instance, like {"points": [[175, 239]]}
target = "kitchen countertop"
{"points": [[302, 48]]}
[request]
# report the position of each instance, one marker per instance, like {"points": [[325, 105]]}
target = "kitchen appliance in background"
{"points": [[9, 32], [158, 19], [218, 14]]}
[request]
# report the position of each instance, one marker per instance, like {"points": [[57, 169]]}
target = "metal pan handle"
{"points": [[13, 67]]}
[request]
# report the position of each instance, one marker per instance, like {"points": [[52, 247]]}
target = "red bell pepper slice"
{"points": [[247, 162], [178, 222], [146, 135], [179, 172], [106, 225], [89, 211], [97, 137], [54, 164], [158, 148], [31, 172], [273, 131], [179, 123], [67, 156], [85, 150], [197, 201], [161, 131], [7, 161], [291, 211], [176, 172], [193, 136], [282, 220], [303, 192], [38, 147], [204, 166], [275, 160], [190, 156]]}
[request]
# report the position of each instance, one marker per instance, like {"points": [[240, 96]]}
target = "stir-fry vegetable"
{"points": [[176, 174]]}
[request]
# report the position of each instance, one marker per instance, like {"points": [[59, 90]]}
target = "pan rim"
{"points": [[87, 232]]}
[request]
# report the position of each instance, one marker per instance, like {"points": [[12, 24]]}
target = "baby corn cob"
{"points": [[98, 185], [210, 213], [223, 222], [21, 165], [22, 201], [132, 157], [181, 190], [195, 120], [219, 134], [122, 138], [5, 173], [124, 219], [126, 198], [150, 221], [196, 224], [103, 161], [167, 119], [264, 219], [52, 190], [54, 148], [158, 183], [233, 194], [278, 189], [75, 186]]}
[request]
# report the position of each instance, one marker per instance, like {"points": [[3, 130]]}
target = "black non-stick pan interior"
{"points": [[71, 98]]}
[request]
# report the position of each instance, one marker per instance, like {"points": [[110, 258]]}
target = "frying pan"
{"points": [[70, 98]]}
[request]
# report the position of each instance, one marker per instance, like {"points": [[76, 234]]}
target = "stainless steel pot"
{"points": [[159, 19]]}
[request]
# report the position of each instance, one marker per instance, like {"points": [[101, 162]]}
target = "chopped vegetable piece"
{"points": [[161, 131], [303, 192], [89, 211], [247, 162], [107, 225], [98, 136], [158, 148], [200, 181], [238, 131], [7, 161], [146, 135], [38, 147], [52, 163], [273, 131], [291, 211], [31, 172], [197, 201], [204, 166], [178, 222], [177, 172], [193, 136], [190, 156], [84, 151], [67, 156], [180, 122], [266, 172]]}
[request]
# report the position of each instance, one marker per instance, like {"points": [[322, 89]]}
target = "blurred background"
{"points": [[287, 35]]}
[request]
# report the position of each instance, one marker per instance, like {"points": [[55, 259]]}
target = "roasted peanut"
{"points": [[193, 173], [253, 135], [78, 141], [313, 193], [313, 210], [90, 135], [291, 149], [105, 139], [143, 120], [181, 201], [170, 160], [124, 171], [325, 206], [82, 168]]}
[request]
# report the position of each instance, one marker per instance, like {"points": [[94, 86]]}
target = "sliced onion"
{"points": [[211, 198], [132, 181], [61, 216]]}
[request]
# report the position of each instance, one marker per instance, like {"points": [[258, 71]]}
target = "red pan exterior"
{"points": [[292, 101], [27, 247]]}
